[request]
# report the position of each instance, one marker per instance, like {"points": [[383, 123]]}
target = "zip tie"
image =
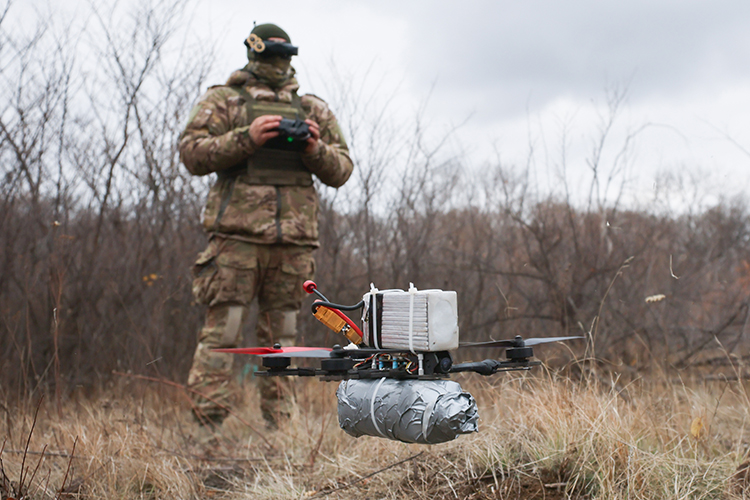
{"points": [[372, 407], [373, 294], [426, 419], [412, 291]]}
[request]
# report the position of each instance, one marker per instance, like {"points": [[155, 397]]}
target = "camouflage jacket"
{"points": [[217, 138]]}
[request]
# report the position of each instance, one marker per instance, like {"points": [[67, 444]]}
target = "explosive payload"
{"points": [[412, 411]]}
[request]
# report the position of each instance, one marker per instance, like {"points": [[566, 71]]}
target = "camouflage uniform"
{"points": [[261, 237]]}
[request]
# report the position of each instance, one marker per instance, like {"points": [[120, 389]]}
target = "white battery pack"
{"points": [[413, 320]]}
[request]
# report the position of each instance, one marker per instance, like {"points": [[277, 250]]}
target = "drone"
{"points": [[394, 372]]}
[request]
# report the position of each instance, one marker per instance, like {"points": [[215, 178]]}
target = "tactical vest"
{"points": [[270, 165]]}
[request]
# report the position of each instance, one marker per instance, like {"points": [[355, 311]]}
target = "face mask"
{"points": [[274, 71]]}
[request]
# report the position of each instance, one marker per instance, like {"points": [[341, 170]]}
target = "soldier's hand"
{"points": [[312, 142], [264, 128]]}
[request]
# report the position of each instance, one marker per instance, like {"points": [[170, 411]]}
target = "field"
{"points": [[541, 436]]}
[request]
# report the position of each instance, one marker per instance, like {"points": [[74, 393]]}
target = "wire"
{"points": [[331, 305], [368, 360]]}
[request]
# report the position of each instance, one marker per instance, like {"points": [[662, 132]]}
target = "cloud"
{"points": [[503, 55]]}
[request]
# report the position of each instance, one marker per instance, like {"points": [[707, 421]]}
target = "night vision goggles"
{"points": [[269, 48]]}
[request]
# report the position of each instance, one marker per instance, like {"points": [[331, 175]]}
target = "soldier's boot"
{"points": [[276, 393], [211, 377], [209, 417], [276, 400]]}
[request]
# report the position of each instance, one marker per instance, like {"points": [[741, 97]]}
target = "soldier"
{"points": [[261, 214]]}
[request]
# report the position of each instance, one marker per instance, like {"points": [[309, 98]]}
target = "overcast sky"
{"points": [[532, 72], [524, 71]]}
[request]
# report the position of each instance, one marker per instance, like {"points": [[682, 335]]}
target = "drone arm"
{"points": [[486, 367]]}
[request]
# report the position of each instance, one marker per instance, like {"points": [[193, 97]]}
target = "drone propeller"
{"points": [[281, 352], [489, 343], [517, 342], [531, 342]]}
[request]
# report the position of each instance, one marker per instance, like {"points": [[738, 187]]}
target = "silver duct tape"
{"points": [[412, 411]]}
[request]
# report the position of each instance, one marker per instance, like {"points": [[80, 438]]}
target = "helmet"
{"points": [[258, 43]]}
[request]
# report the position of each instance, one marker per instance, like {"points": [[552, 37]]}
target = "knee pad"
{"points": [[223, 327], [278, 326]]}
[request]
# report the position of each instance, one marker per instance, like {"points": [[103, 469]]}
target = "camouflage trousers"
{"points": [[228, 276]]}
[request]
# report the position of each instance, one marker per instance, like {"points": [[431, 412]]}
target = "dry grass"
{"points": [[540, 437]]}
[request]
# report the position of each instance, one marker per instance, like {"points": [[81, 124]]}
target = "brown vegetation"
{"points": [[540, 437]]}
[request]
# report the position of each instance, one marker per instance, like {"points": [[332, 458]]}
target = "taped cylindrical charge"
{"points": [[412, 411]]}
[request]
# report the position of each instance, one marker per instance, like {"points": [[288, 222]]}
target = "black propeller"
{"points": [[517, 342]]}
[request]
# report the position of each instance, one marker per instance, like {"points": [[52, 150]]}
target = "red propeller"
{"points": [[283, 352]]}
